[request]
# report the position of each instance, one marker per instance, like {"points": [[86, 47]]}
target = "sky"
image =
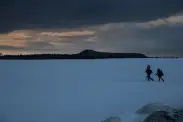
{"points": [[151, 27]]}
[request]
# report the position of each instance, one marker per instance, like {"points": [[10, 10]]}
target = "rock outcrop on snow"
{"points": [[153, 107], [180, 119], [112, 119], [177, 115], [153, 112], [161, 113], [159, 116]]}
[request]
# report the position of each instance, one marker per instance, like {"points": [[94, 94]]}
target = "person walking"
{"points": [[149, 72], [159, 73]]}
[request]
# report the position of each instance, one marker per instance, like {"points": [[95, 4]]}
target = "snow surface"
{"points": [[84, 90]]}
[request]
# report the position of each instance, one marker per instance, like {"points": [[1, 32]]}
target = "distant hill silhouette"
{"points": [[86, 54], [92, 53]]}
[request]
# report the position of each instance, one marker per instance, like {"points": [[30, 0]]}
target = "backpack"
{"points": [[161, 72], [148, 71]]}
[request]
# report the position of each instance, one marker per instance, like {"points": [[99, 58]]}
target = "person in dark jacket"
{"points": [[149, 72], [160, 74]]}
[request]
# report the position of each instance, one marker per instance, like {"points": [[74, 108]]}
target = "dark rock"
{"points": [[153, 107], [177, 115], [180, 119], [159, 116]]}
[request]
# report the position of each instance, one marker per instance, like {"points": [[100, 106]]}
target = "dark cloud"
{"points": [[167, 41], [5, 47], [21, 14], [30, 46], [159, 41]]}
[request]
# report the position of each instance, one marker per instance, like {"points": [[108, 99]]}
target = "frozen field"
{"points": [[84, 90]]}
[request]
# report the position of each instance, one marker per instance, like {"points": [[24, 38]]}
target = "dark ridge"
{"points": [[86, 54]]}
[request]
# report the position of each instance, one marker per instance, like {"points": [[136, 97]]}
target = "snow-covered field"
{"points": [[84, 90]]}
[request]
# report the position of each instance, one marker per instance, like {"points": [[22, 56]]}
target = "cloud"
{"points": [[21, 15], [68, 37], [7, 47], [128, 37], [161, 39], [13, 43], [39, 46], [91, 39], [16, 35], [69, 34], [35, 45], [45, 41], [170, 21]]}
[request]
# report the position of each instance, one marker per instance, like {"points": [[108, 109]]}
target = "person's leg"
{"points": [[151, 78], [162, 79], [159, 79]]}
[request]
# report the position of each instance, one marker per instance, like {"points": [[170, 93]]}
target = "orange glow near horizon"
{"points": [[14, 42]]}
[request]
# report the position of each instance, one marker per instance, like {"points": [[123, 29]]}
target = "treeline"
{"points": [[63, 56], [86, 54], [163, 57]]}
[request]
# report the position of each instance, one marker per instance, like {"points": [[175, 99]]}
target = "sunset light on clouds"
{"points": [[156, 28]]}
